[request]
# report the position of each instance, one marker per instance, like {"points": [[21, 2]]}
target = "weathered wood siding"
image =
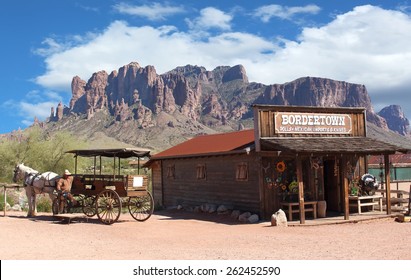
{"points": [[157, 184], [219, 187]]}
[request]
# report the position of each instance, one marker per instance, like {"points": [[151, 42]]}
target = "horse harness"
{"points": [[32, 176]]}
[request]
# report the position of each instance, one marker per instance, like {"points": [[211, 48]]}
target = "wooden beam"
{"points": [[262, 193], [345, 186], [387, 182], [257, 129], [300, 189]]}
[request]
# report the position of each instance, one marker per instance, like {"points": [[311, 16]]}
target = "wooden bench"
{"points": [[294, 207], [369, 200]]}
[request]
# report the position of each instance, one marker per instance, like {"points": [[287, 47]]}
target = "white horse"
{"points": [[35, 183]]}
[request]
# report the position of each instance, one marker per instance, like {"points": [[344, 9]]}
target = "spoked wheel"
{"points": [[58, 208], [88, 205], [108, 206], [141, 207]]}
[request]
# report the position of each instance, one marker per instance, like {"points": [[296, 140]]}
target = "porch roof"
{"points": [[327, 145], [209, 144]]}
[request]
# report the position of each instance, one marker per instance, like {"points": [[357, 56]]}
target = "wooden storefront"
{"points": [[294, 157], [313, 154]]}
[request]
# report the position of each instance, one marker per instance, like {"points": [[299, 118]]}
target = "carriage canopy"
{"points": [[119, 152]]}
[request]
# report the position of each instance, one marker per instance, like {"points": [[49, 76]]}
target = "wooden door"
{"points": [[331, 185]]}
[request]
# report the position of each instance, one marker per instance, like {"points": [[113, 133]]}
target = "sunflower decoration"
{"points": [[293, 187], [281, 167], [283, 187]]}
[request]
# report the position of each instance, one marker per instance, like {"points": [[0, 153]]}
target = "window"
{"points": [[201, 171], [242, 172], [171, 171]]}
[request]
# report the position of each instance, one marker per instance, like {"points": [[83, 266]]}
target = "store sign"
{"points": [[312, 123]]}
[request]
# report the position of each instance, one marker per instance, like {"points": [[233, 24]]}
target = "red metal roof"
{"points": [[210, 144], [394, 159]]}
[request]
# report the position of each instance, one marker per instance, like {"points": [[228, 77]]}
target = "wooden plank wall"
{"points": [[219, 187], [156, 172]]}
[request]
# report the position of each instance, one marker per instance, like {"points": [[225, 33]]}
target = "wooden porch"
{"points": [[339, 219]]}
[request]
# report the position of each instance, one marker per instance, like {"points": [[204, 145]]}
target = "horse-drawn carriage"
{"points": [[97, 193]]}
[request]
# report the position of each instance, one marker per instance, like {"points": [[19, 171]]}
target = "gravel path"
{"points": [[180, 235]]}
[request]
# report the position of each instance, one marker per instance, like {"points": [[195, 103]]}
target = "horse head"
{"points": [[20, 172]]}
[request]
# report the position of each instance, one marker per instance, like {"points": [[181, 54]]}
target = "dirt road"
{"points": [[182, 235]]}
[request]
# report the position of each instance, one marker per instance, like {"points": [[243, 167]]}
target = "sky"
{"points": [[45, 43]]}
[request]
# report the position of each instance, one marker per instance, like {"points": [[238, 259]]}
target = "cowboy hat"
{"points": [[66, 172]]}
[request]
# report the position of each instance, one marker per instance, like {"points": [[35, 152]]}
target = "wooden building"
{"points": [[294, 156]]}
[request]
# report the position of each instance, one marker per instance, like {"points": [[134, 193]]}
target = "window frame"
{"points": [[242, 173]]}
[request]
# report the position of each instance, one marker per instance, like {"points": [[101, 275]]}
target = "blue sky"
{"points": [[45, 43]]}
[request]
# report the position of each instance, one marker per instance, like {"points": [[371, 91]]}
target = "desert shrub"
{"points": [[43, 203], [9, 200]]}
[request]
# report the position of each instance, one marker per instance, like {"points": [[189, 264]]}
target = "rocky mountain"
{"points": [[136, 105], [396, 119]]}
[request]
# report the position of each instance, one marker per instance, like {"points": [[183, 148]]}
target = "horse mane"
{"points": [[27, 169]]}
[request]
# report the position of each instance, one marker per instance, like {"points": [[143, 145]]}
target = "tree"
{"points": [[37, 149]]}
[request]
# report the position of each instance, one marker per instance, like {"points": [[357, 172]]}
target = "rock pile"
{"points": [[243, 217]]}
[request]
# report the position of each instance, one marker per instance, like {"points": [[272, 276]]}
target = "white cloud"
{"points": [[168, 48], [269, 11], [368, 45], [155, 11], [35, 104], [30, 110], [211, 18]]}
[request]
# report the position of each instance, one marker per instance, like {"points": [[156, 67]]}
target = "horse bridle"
{"points": [[27, 175]]}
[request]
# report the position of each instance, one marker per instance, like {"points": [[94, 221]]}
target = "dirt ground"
{"points": [[179, 235]]}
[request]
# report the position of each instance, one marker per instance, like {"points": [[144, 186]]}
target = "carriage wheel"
{"points": [[55, 207], [108, 206], [88, 205], [141, 207]]}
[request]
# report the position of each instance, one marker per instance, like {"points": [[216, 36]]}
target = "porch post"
{"points": [[300, 189], [387, 182], [345, 186], [262, 193]]}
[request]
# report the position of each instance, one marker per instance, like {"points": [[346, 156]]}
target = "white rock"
{"points": [[253, 219], [16, 207], [212, 208], [244, 217], [279, 219], [235, 214], [221, 209], [204, 208]]}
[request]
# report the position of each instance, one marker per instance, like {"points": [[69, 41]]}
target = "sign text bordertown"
{"points": [[312, 123]]}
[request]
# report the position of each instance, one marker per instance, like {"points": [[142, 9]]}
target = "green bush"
{"points": [[44, 203], [12, 198], [9, 200]]}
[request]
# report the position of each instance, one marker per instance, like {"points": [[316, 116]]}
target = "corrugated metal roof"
{"points": [[394, 159], [210, 144]]}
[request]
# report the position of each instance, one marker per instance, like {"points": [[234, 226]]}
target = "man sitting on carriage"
{"points": [[64, 186]]}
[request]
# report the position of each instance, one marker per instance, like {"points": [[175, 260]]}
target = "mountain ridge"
{"points": [[190, 100]]}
